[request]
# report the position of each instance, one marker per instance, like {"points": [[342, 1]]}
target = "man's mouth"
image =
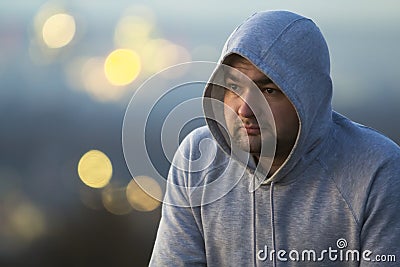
{"points": [[252, 129]]}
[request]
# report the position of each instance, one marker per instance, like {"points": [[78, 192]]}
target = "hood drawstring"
{"points": [[272, 215], [271, 205], [254, 224]]}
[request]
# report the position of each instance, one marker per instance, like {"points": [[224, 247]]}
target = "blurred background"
{"points": [[67, 72]]}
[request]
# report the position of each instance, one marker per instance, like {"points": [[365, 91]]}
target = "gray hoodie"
{"points": [[334, 202]]}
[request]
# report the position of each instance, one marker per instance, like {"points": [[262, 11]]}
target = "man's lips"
{"points": [[252, 129]]}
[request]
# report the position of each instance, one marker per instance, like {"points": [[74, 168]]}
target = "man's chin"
{"points": [[247, 147], [253, 145]]}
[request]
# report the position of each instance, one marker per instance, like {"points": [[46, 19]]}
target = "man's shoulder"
{"points": [[358, 159], [199, 134], [356, 154], [199, 158], [200, 143], [356, 140]]}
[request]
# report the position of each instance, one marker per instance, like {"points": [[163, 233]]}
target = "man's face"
{"points": [[242, 98]]}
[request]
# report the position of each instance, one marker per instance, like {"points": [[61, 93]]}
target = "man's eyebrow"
{"points": [[235, 78], [229, 75], [264, 80]]}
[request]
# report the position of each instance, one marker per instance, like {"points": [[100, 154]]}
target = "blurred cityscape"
{"points": [[67, 73]]}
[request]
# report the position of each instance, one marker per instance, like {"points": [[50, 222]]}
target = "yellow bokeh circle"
{"points": [[122, 66], [95, 169], [143, 193], [114, 200], [59, 30]]}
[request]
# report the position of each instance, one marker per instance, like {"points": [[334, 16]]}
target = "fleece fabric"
{"points": [[334, 202]]}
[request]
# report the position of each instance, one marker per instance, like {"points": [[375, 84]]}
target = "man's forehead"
{"points": [[240, 67], [235, 60]]}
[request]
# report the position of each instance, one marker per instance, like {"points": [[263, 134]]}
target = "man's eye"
{"points": [[233, 87], [270, 91]]}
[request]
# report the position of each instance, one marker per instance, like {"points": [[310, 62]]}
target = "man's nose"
{"points": [[247, 105]]}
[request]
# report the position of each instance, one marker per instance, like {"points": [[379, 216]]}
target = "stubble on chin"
{"points": [[248, 143]]}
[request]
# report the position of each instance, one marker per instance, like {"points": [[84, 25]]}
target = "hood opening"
{"points": [[292, 52]]}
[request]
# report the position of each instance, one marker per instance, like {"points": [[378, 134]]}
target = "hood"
{"points": [[292, 52]]}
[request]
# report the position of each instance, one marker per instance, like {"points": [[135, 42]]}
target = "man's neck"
{"points": [[266, 163]]}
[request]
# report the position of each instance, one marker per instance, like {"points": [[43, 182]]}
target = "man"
{"points": [[291, 182]]}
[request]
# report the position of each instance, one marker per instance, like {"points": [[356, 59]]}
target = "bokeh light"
{"points": [[58, 104], [144, 53], [132, 31], [139, 32], [143, 193], [53, 28], [122, 66], [115, 201], [91, 197], [27, 221], [21, 220], [46, 11], [159, 54], [96, 83], [95, 169], [58, 30]]}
